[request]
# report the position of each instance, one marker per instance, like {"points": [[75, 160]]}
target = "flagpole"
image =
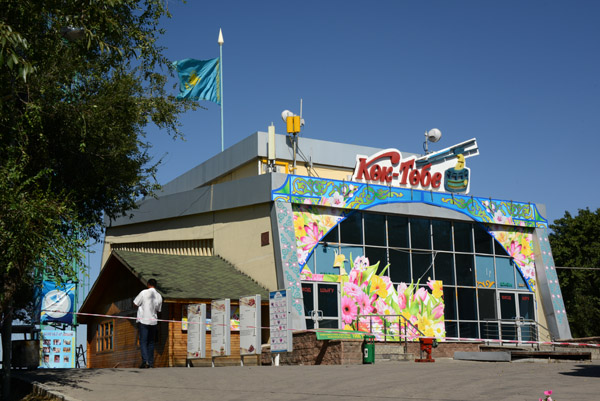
{"points": [[221, 73]]}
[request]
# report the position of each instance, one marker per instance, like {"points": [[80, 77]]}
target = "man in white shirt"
{"points": [[149, 303]]}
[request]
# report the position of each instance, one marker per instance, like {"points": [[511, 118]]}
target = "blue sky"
{"points": [[520, 76]]}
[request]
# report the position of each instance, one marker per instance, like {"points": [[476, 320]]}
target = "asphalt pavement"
{"points": [[444, 380]]}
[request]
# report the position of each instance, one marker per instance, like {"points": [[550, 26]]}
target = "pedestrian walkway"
{"points": [[445, 380]]}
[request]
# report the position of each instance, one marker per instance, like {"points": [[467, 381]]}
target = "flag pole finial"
{"points": [[220, 41]]}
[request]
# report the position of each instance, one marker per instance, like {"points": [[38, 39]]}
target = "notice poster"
{"points": [[279, 316], [58, 349], [220, 328], [196, 324], [250, 343]]}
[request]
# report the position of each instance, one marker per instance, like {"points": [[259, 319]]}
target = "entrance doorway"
{"points": [[321, 305], [517, 316]]}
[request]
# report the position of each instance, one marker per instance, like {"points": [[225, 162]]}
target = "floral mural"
{"points": [[518, 243], [370, 302]]}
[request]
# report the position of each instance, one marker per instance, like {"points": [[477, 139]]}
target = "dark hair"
{"points": [[152, 282]]}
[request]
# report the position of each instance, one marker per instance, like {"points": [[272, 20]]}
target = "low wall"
{"points": [[307, 350]]}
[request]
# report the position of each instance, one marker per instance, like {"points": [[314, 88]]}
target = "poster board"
{"points": [[57, 302], [196, 328], [57, 349], [250, 341], [220, 333], [280, 321]]}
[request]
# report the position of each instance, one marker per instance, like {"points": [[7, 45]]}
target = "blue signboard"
{"points": [[58, 303]]}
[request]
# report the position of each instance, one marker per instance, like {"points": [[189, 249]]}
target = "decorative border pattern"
{"points": [[289, 259], [553, 286], [359, 196]]}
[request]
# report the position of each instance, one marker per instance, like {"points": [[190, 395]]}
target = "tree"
{"points": [[575, 242], [72, 119]]}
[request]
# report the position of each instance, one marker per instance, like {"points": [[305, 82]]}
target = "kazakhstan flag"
{"points": [[199, 79]]}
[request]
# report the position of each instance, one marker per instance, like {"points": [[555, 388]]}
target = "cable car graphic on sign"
{"points": [[457, 178]]}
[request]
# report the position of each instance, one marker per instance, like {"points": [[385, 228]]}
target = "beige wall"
{"points": [[247, 170], [237, 239], [235, 233]]}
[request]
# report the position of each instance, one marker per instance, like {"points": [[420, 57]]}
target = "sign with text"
{"points": [[220, 328], [444, 170], [58, 349], [196, 328], [250, 342], [280, 319]]}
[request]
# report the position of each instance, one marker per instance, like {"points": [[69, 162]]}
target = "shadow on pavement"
{"points": [[584, 371]]}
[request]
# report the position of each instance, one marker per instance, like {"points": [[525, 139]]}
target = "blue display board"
{"points": [[58, 349], [58, 303]]}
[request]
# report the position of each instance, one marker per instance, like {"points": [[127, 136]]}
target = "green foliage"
{"points": [[73, 115], [575, 242]]}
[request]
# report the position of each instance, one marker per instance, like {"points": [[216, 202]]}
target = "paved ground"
{"points": [[445, 379]]}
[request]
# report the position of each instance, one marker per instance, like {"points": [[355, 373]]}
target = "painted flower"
{"points": [[436, 288], [349, 310], [514, 250], [361, 263], [401, 300], [422, 294], [313, 235], [438, 311], [351, 289], [364, 303], [379, 287]]}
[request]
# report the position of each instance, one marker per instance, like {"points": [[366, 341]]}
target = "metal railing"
{"points": [[391, 321], [517, 330]]}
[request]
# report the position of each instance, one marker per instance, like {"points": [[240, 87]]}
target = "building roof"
{"points": [[190, 277]]}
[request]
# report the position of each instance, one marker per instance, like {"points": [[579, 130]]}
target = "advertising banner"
{"points": [[250, 343], [58, 302], [196, 340], [279, 316], [58, 349], [220, 330]]}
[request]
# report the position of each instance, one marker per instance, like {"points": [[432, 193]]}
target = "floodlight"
{"points": [[285, 114], [434, 135]]}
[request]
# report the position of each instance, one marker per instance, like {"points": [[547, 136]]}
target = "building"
{"points": [[452, 265]]}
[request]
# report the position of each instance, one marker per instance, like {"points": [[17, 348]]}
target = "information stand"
{"points": [[196, 327], [280, 319], [220, 333], [250, 318]]}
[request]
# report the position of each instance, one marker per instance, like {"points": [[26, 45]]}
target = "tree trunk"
{"points": [[6, 350]]}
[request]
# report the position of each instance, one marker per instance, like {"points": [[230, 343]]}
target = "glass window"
{"points": [[465, 273], [451, 329], [521, 285], [398, 231], [467, 306], [332, 236], [526, 306], [442, 235], [328, 299], [324, 258], [483, 240], [400, 266], [307, 296], [444, 267], [420, 234], [487, 304], [421, 263], [485, 271], [310, 263], [468, 329], [499, 249], [351, 229], [449, 303], [508, 309], [489, 330], [463, 240], [377, 255], [351, 253], [505, 273], [374, 229]]}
